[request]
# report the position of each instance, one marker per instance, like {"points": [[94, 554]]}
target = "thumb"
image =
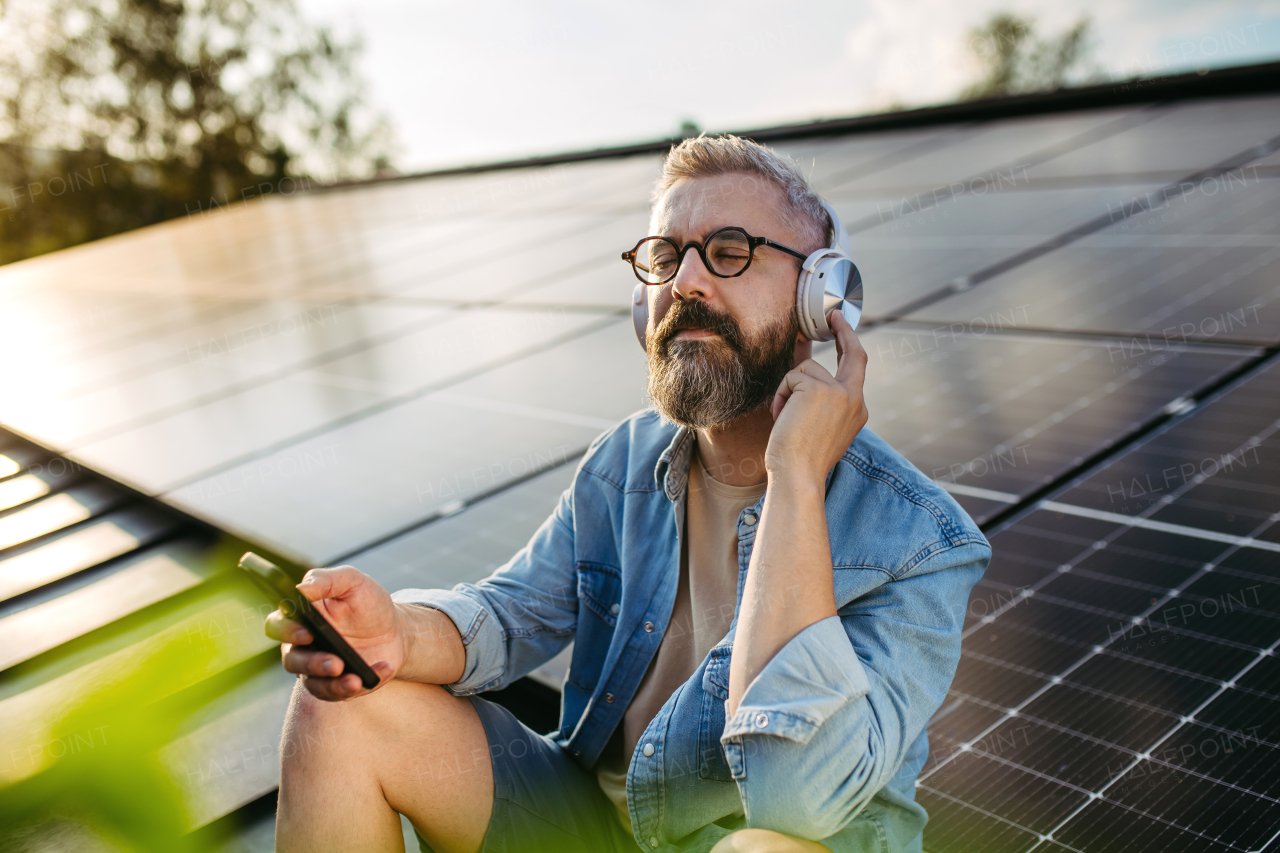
{"points": [[337, 582]]}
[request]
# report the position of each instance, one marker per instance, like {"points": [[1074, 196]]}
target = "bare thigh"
{"points": [[349, 769]]}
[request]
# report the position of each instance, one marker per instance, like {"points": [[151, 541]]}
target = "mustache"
{"points": [[694, 314]]}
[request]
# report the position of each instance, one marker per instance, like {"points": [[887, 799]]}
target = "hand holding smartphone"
{"points": [[282, 592]]}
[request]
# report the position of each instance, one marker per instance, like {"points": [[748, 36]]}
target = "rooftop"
{"points": [[1073, 325]]}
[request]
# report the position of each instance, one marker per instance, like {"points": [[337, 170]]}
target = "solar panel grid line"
{"points": [[1139, 205], [265, 378], [390, 403], [361, 263], [1112, 450], [1260, 656], [928, 145], [988, 814], [1147, 755], [942, 193], [1097, 649], [234, 388], [1164, 527], [1029, 383], [1056, 726], [1130, 521], [1063, 680], [1102, 335], [178, 358], [572, 457], [329, 355]]}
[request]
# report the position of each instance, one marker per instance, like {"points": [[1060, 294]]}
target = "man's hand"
{"points": [[394, 638], [817, 415]]}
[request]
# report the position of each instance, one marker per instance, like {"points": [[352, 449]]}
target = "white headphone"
{"points": [[828, 279]]}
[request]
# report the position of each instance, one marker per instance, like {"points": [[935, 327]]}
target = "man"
{"points": [[766, 599]]}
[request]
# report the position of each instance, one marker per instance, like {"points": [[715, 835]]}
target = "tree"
{"points": [[120, 113], [1015, 62]]}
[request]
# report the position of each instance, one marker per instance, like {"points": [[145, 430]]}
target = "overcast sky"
{"points": [[476, 82]]}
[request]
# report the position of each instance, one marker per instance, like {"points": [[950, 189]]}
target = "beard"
{"points": [[708, 382]]}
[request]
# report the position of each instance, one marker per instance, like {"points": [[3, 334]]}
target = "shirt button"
{"points": [[749, 519], [653, 842], [608, 697], [614, 609], [647, 750], [762, 720], [648, 627]]}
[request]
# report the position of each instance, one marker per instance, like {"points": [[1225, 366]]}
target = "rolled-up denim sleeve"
{"points": [[519, 617], [826, 723]]}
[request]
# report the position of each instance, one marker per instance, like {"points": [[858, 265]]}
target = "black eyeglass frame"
{"points": [[753, 243]]}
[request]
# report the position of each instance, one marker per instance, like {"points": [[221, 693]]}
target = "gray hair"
{"points": [[703, 156]]}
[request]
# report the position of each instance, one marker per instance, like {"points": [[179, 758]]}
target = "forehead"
{"points": [[694, 207]]}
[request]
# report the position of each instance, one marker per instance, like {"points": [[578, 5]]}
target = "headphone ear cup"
{"points": [[810, 302], [802, 304], [640, 314]]}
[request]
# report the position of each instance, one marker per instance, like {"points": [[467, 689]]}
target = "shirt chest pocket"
{"points": [[599, 591], [712, 763]]}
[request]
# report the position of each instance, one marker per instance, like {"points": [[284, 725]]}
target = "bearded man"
{"points": [[765, 599]]}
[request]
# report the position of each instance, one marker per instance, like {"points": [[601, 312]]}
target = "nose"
{"points": [[693, 280]]}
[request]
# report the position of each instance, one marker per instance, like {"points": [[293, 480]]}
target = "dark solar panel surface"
{"points": [[1202, 265], [1071, 327], [1118, 683]]}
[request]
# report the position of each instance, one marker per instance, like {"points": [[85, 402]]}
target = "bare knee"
{"points": [[316, 729], [765, 841]]}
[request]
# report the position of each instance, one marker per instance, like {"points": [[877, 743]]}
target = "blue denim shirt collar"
{"points": [[672, 470]]}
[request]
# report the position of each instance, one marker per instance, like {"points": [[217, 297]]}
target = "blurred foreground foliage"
{"points": [[92, 749], [1014, 61], [97, 781], [116, 114]]}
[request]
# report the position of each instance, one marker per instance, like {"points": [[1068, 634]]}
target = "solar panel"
{"points": [[349, 484], [466, 336], [169, 442], [1202, 267], [994, 416], [467, 546], [1010, 146], [1189, 136], [916, 244], [836, 160], [1117, 687]]}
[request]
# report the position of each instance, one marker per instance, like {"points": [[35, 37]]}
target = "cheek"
{"points": [[764, 305]]}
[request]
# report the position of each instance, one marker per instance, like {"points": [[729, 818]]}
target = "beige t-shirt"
{"points": [[705, 598]]}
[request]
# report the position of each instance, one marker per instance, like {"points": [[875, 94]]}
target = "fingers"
{"points": [[303, 660], [280, 627], [804, 373], [334, 689], [851, 358], [346, 686]]}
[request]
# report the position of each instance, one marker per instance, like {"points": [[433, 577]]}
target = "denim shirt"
{"points": [[828, 739]]}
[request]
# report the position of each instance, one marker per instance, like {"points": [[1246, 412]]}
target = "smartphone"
{"points": [[277, 586]]}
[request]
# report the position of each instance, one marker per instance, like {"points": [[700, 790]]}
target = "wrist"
{"points": [[793, 480], [425, 635]]}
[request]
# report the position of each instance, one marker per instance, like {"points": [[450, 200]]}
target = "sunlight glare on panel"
{"points": [[19, 490], [44, 517], [67, 555]]}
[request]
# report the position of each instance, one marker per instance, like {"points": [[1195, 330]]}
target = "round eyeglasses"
{"points": [[726, 253]]}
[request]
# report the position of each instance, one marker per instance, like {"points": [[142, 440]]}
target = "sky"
{"points": [[467, 83]]}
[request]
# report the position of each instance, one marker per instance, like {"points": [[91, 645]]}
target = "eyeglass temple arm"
{"points": [[765, 241]]}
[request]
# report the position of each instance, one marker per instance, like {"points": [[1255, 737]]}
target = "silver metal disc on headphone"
{"points": [[842, 288]]}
